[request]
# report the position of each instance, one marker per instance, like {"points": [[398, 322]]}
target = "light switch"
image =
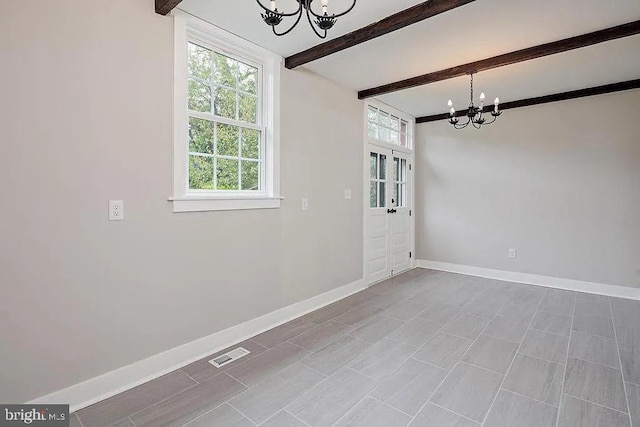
{"points": [[305, 204], [347, 194]]}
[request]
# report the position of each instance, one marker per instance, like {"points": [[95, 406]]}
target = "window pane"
{"points": [[199, 62], [250, 175], [396, 167], [250, 144], [227, 140], [403, 195], [373, 194], [227, 174], [200, 136], [403, 170], [200, 173], [384, 119], [224, 70], [404, 127], [394, 123], [248, 108], [383, 167], [372, 130], [199, 96], [373, 165], [372, 115], [395, 137], [224, 102], [383, 194], [396, 188], [248, 78], [384, 134]]}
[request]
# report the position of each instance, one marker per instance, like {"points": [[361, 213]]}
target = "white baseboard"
{"points": [[534, 279], [104, 386]]}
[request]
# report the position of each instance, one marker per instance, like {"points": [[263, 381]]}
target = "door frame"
{"points": [[410, 151]]}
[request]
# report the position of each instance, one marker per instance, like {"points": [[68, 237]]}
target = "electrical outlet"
{"points": [[116, 210], [347, 194], [305, 204], [513, 253]]}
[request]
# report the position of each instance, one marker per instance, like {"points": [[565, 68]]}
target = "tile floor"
{"points": [[425, 348]]}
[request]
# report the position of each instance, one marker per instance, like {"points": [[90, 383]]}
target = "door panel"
{"points": [[378, 263], [388, 237], [400, 221]]}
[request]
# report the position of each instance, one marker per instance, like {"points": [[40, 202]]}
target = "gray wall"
{"points": [[559, 182], [85, 111]]}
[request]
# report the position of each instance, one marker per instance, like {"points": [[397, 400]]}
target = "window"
{"points": [[377, 180], [387, 127], [226, 120], [224, 155], [399, 182]]}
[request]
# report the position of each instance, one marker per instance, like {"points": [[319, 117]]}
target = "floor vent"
{"points": [[225, 359]]}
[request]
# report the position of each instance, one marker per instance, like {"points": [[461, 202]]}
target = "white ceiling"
{"points": [[475, 31]]}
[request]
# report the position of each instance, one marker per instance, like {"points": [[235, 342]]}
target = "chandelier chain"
{"points": [[471, 89]]}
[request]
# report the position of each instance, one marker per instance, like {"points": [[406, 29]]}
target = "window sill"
{"points": [[203, 203]]}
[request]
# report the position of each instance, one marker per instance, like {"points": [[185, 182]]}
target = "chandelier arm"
{"points": [[291, 28], [334, 15], [458, 126], [281, 14], [494, 119], [313, 27]]}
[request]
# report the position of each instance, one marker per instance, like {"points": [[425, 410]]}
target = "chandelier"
{"points": [[474, 114], [323, 21]]}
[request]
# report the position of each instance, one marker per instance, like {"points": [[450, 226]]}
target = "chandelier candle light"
{"points": [[474, 114], [323, 21]]}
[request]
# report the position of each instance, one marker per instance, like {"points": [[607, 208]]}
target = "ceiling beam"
{"points": [[625, 30], [391, 23], [563, 96], [163, 7]]}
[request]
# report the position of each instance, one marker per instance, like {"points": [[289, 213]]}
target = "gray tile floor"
{"points": [[425, 348]]}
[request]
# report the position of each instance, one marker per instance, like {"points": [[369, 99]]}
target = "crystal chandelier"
{"points": [[474, 114], [323, 21]]}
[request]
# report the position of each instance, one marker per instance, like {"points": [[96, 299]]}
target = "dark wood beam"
{"points": [[563, 96], [163, 7], [625, 30], [391, 23]]}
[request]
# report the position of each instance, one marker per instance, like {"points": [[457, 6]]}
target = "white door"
{"points": [[388, 225], [400, 227]]}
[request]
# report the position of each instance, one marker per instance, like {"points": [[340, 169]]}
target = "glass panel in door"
{"points": [[377, 180]]}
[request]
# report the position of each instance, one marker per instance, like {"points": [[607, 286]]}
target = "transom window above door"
{"points": [[387, 127]]}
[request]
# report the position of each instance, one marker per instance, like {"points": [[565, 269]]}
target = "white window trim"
{"points": [[187, 27]]}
